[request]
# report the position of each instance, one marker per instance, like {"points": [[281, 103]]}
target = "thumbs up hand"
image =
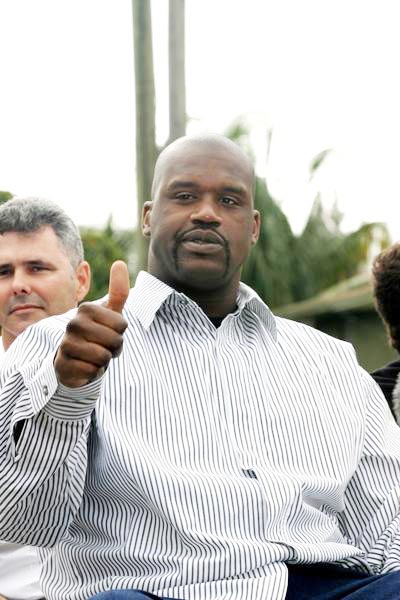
{"points": [[95, 335]]}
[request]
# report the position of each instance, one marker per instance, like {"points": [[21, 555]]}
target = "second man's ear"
{"points": [[83, 277]]}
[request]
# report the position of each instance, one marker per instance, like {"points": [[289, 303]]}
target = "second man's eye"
{"points": [[37, 268]]}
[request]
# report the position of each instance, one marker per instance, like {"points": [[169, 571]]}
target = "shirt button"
{"points": [[249, 473], [45, 390], [183, 302]]}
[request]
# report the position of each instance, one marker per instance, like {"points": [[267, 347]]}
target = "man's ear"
{"points": [[146, 228], [83, 277], [256, 227]]}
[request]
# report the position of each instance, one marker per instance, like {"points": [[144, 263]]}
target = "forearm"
{"points": [[42, 473]]}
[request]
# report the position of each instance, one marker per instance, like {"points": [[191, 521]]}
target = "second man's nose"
{"points": [[20, 285]]}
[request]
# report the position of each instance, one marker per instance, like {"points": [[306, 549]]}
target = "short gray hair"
{"points": [[27, 215]]}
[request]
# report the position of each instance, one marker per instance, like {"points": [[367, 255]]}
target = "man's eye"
{"points": [[185, 196], [37, 268], [5, 272], [228, 200]]}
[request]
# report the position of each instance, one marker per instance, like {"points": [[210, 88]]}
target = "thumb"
{"points": [[118, 287]]}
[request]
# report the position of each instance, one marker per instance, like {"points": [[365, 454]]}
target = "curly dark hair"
{"points": [[386, 288]]}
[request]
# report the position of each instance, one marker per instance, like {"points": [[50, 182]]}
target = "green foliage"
{"points": [[318, 160], [285, 268], [269, 268], [102, 248], [4, 196], [325, 255]]}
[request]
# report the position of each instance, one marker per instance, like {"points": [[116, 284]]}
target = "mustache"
{"points": [[24, 301], [217, 236]]}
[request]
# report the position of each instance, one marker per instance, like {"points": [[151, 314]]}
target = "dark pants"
{"points": [[314, 582], [125, 595], [326, 582]]}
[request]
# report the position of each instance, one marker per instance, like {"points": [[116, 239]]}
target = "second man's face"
{"points": [[37, 280]]}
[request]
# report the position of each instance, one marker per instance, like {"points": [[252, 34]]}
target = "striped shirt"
{"points": [[203, 460], [19, 565]]}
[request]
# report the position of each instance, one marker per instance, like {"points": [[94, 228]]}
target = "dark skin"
{"points": [[202, 225]]}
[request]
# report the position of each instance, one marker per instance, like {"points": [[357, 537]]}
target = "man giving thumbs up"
{"points": [[220, 452]]}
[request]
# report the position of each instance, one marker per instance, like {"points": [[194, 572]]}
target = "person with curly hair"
{"points": [[386, 289]]}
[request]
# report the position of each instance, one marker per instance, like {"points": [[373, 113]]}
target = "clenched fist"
{"points": [[94, 336]]}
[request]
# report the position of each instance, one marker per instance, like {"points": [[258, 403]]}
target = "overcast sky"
{"points": [[318, 73]]}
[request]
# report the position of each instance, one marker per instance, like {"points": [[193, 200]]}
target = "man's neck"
{"points": [[216, 308], [6, 340], [214, 303]]}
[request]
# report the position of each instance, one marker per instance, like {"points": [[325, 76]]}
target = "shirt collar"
{"points": [[149, 294], [249, 300]]}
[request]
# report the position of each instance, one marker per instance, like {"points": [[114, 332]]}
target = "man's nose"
{"points": [[20, 284], [206, 211]]}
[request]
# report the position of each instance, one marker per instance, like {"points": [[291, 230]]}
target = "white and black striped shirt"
{"points": [[203, 460]]}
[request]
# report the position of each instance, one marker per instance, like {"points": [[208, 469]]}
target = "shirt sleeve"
{"points": [[42, 470], [371, 518]]}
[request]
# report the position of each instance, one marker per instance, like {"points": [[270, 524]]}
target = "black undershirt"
{"points": [[386, 378], [216, 321]]}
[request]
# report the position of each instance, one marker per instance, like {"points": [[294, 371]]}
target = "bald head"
{"points": [[200, 145]]}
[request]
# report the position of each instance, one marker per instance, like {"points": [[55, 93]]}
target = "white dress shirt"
{"points": [[203, 460], [19, 565]]}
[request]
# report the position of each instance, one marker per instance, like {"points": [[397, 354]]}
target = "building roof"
{"points": [[354, 294]]}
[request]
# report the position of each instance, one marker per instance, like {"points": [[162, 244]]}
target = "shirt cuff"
{"points": [[54, 398], [73, 404]]}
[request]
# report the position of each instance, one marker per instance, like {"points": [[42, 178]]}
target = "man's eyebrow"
{"points": [[33, 261], [234, 189], [191, 185], [36, 261], [179, 183]]}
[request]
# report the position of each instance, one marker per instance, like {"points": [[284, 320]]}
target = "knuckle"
{"points": [[122, 325], [85, 307], [117, 352], [116, 346], [75, 325], [71, 326]]}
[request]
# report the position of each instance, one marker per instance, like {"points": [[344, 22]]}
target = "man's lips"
{"points": [[202, 236], [22, 307], [202, 242]]}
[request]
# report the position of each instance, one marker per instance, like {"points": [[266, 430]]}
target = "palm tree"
{"points": [[176, 56], [146, 151]]}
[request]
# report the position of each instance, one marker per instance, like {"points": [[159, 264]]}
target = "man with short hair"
{"points": [[201, 448], [42, 273]]}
